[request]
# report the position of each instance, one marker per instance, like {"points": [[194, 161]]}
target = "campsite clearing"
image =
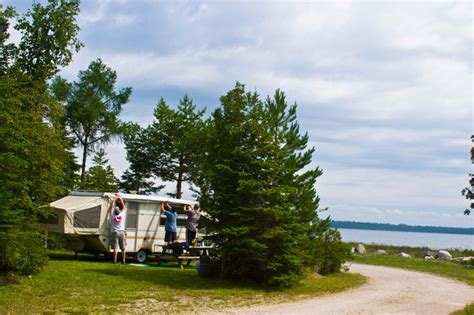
{"points": [[90, 285]]}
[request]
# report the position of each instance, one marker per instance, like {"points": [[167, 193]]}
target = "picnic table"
{"points": [[195, 253]]}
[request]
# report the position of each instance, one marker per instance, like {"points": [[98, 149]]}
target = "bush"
{"points": [[56, 241], [329, 253], [22, 251]]}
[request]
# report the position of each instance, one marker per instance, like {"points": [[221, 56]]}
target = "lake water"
{"points": [[414, 239]]}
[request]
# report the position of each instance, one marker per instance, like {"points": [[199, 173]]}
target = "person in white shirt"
{"points": [[117, 226]]}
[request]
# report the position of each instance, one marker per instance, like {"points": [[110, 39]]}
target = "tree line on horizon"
{"points": [[248, 163], [400, 227]]}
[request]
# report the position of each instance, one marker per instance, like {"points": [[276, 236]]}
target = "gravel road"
{"points": [[388, 291]]}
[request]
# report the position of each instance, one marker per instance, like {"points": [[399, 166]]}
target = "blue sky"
{"points": [[384, 89]]}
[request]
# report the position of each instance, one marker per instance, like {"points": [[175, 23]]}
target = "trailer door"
{"points": [[133, 209]]}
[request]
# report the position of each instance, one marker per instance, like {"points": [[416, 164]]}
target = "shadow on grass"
{"points": [[65, 255], [169, 275], [152, 262]]}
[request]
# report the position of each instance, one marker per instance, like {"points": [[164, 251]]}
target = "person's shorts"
{"points": [[119, 240], [170, 236]]}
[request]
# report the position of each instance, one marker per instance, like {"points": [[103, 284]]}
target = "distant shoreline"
{"points": [[400, 227]]}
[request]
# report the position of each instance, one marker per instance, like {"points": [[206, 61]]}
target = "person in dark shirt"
{"points": [[192, 222], [170, 225]]}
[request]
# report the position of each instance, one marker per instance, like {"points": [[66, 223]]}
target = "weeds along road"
{"points": [[387, 291]]}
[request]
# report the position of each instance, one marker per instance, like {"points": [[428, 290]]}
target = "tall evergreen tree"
{"points": [[138, 183], [257, 190], [139, 177], [100, 176], [93, 107], [169, 146]]}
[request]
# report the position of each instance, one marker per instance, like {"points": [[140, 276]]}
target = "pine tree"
{"points": [[136, 183], [256, 189], [168, 148], [100, 177], [139, 177]]}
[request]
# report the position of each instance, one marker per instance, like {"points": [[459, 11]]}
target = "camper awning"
{"points": [[75, 203], [83, 214]]}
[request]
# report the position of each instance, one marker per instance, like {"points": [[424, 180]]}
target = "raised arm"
{"points": [[112, 204], [122, 202]]}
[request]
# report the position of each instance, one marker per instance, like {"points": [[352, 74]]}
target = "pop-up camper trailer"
{"points": [[84, 219]]}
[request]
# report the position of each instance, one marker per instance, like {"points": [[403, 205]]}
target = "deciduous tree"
{"points": [[34, 155], [93, 106]]}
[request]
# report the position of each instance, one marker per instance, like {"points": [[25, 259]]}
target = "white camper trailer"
{"points": [[84, 219]]}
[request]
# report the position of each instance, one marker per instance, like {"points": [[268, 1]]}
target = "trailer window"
{"points": [[88, 218], [132, 215]]}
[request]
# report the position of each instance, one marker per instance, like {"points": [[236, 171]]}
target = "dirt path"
{"points": [[388, 291]]}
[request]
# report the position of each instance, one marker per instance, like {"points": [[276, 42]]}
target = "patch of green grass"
{"points": [[442, 268], [413, 251], [448, 269], [468, 310], [89, 285]]}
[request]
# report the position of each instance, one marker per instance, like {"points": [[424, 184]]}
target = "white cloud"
{"points": [[384, 88], [100, 10]]}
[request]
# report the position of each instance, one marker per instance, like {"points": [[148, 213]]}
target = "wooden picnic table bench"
{"points": [[195, 252]]}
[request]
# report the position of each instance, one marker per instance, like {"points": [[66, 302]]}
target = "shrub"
{"points": [[56, 241], [22, 251], [329, 253]]}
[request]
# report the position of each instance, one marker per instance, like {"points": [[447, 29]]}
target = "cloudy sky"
{"points": [[384, 89]]}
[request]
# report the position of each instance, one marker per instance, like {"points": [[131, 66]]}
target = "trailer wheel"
{"points": [[142, 256]]}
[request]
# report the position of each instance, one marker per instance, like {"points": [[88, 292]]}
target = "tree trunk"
{"points": [[83, 166], [179, 181]]}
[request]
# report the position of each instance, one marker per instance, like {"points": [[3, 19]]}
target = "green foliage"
{"points": [[329, 252], [133, 182], [467, 310], [170, 146], [258, 189], [100, 177], [400, 227], [32, 151], [34, 156], [138, 178], [93, 107], [56, 241], [22, 251], [49, 38], [7, 50]]}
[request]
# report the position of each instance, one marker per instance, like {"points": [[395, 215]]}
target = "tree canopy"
{"points": [[34, 150], [100, 176], [169, 147], [93, 106], [258, 189]]}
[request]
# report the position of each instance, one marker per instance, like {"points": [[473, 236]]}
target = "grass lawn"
{"points": [[89, 285], [441, 268]]}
